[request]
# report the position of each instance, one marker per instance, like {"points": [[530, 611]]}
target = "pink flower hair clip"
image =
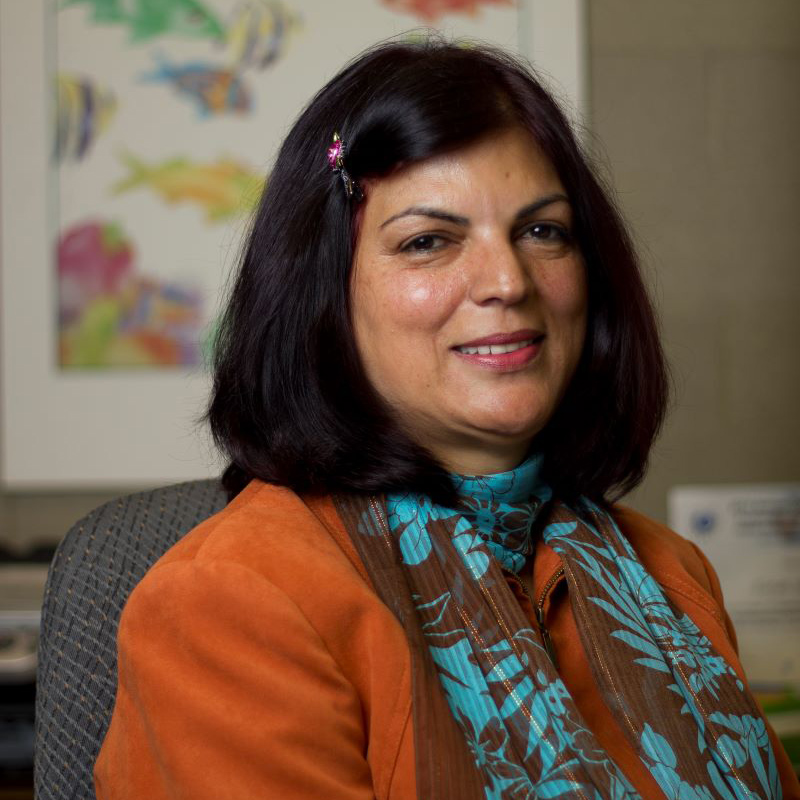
{"points": [[336, 154]]}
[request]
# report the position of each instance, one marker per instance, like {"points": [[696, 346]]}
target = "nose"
{"points": [[499, 275]]}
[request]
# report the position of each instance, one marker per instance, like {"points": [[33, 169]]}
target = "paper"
{"points": [[751, 535]]}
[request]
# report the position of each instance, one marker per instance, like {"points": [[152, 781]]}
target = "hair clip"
{"points": [[336, 154]]}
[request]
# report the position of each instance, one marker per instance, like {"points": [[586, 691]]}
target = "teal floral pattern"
{"points": [[667, 642], [520, 723]]}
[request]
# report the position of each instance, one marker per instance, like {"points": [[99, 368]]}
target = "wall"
{"points": [[697, 107]]}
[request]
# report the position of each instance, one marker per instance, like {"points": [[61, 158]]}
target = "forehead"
{"points": [[505, 169]]}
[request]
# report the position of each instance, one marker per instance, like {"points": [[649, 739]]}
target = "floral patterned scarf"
{"points": [[492, 717]]}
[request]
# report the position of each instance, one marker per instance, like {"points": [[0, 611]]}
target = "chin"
{"points": [[508, 428]]}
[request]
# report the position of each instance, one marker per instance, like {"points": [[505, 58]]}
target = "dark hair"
{"points": [[291, 402]]}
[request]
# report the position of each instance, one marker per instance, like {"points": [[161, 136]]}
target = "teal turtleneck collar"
{"points": [[498, 509]]}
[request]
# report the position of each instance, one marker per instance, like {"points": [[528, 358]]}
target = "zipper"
{"points": [[539, 611], [554, 578], [539, 608]]}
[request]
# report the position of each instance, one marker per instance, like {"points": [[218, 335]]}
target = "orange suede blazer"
{"points": [[256, 661]]}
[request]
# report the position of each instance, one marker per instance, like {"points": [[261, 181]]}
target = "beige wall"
{"points": [[696, 104]]}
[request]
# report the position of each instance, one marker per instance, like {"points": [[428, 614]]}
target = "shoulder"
{"points": [[271, 530], [655, 541], [676, 563], [268, 550]]}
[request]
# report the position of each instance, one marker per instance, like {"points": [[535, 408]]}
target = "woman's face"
{"points": [[469, 299]]}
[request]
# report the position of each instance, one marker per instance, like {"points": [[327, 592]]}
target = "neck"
{"points": [[482, 460]]}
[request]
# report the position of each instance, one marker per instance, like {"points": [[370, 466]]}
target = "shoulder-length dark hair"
{"points": [[291, 403]]}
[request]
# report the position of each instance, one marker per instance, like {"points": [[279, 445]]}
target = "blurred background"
{"points": [[154, 146]]}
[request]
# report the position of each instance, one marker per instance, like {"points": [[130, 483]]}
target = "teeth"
{"points": [[494, 349]]}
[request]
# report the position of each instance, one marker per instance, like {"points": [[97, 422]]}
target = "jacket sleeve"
{"points": [[225, 690]]}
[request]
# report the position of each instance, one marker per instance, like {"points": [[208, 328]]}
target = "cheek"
{"points": [[414, 303], [425, 303], [565, 295]]}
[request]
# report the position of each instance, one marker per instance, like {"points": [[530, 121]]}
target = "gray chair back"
{"points": [[95, 567]]}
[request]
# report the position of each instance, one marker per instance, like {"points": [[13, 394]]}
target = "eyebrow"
{"points": [[427, 211], [547, 200], [435, 213]]}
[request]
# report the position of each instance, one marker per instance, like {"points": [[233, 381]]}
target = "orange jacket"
{"points": [[255, 661]]}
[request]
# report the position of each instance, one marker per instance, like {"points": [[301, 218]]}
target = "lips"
{"points": [[502, 351], [502, 342], [494, 349]]}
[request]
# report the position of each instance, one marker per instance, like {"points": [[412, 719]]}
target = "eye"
{"points": [[425, 243], [548, 233]]}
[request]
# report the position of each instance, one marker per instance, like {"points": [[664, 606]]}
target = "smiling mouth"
{"points": [[496, 349]]}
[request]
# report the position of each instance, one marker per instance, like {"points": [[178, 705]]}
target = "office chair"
{"points": [[100, 560]]}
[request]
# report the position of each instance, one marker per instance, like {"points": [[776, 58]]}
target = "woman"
{"points": [[437, 368]]}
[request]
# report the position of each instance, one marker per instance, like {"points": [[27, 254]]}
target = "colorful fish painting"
{"points": [[112, 316], [83, 111], [147, 19], [214, 90], [258, 32], [431, 10], [223, 189]]}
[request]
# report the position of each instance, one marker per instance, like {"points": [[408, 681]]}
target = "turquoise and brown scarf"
{"points": [[492, 717]]}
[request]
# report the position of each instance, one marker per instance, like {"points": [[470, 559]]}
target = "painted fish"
{"points": [[95, 258], [83, 111], [431, 10], [146, 323], [112, 316], [258, 32], [147, 19], [223, 189], [214, 90]]}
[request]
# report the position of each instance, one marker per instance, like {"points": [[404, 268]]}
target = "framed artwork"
{"points": [[135, 139]]}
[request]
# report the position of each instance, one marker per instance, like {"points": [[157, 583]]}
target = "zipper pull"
{"points": [[546, 640]]}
